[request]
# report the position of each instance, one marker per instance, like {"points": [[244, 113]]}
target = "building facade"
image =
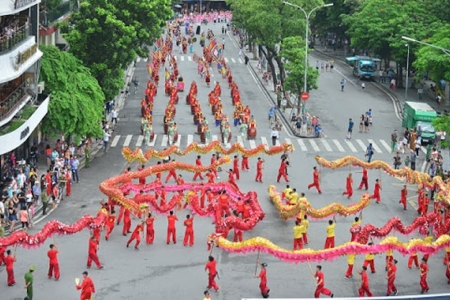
{"points": [[22, 102]]}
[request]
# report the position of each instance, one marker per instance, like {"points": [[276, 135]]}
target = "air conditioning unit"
{"points": [[41, 87]]}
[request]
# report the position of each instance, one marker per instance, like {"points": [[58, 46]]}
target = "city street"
{"points": [[163, 271]]}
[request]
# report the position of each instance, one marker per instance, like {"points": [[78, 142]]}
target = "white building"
{"points": [[22, 104]]}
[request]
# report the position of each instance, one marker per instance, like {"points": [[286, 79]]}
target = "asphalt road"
{"points": [[172, 271]]}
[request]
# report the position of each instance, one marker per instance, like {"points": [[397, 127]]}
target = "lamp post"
{"points": [[446, 51], [407, 73], [307, 15]]}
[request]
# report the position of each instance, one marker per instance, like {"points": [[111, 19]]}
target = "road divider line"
{"points": [[346, 78], [115, 141], [190, 139], [165, 141], [127, 140]]}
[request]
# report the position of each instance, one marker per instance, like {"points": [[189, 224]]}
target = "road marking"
{"points": [[338, 145], [264, 142], [240, 60], [287, 141], [302, 145], [240, 141], [139, 141], [385, 145], [152, 143], [214, 138], [350, 145], [375, 147], [277, 143], [189, 58], [226, 60], [115, 141], [182, 58], [327, 146], [165, 141], [127, 140], [252, 144], [361, 144], [346, 78], [424, 150], [314, 145], [233, 60], [178, 142], [190, 139]]}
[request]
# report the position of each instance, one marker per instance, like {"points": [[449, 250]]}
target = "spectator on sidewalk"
{"points": [[75, 164], [106, 137], [114, 116]]}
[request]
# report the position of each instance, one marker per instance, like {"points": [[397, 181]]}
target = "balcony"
{"points": [[11, 7], [9, 41], [48, 18], [12, 103]]}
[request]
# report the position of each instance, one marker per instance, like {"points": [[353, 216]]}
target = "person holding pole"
{"points": [[329, 242], [53, 268], [263, 279], [391, 273], [320, 284], [212, 273], [364, 288], [9, 262]]}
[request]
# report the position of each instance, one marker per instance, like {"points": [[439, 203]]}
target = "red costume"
{"points": [[48, 179], [413, 258], [9, 262], [150, 233], [236, 167], [321, 289], [348, 187], [231, 179], [364, 288], [392, 271], [109, 224], [198, 162], [87, 289], [223, 202], [119, 218], [189, 233], [237, 235], [259, 168], [376, 192], [53, 264], [136, 235], [211, 267], [364, 180], [211, 177], [263, 282], [141, 179], [171, 230], [92, 255], [403, 196], [315, 183], [68, 184], [282, 171], [423, 277], [244, 164], [96, 233], [126, 222], [172, 173]]}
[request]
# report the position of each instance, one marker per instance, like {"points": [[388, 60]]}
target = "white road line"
{"points": [[375, 147], [233, 60], [338, 145], [346, 78], [165, 141], [302, 145], [190, 139], [326, 145], [189, 58], [385, 145], [350, 145], [127, 140], [264, 141], [152, 143], [252, 144], [139, 141], [361, 144], [178, 142], [214, 138], [182, 58], [287, 141], [240, 60], [115, 141], [314, 145], [240, 141], [226, 60]]}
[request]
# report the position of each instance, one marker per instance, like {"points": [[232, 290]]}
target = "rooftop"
{"points": [[10, 7]]}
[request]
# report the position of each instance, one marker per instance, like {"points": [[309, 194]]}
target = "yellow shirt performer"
{"points": [[298, 233], [350, 262], [305, 223], [329, 242], [369, 260], [293, 199]]}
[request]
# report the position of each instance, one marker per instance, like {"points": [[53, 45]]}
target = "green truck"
{"points": [[418, 115]]}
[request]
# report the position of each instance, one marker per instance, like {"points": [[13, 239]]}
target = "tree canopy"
{"points": [[76, 106]]}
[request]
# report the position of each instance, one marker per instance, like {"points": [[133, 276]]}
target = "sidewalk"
{"points": [[398, 95]]}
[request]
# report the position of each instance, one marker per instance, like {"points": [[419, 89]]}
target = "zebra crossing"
{"points": [[182, 58], [303, 145]]}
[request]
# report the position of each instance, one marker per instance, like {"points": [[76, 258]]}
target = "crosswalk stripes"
{"points": [[189, 58], [182, 58], [226, 60], [240, 60], [350, 145], [233, 60], [304, 145]]}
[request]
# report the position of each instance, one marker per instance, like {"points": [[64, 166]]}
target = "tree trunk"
{"points": [[255, 51], [280, 68], [272, 69]]}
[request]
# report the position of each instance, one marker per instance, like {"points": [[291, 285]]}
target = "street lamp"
{"points": [[446, 51], [407, 73], [307, 15]]}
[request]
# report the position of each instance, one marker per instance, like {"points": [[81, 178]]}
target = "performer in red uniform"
{"points": [[87, 287], [364, 287], [126, 222], [236, 167], [68, 183], [172, 173], [119, 218], [92, 253], [403, 196], [9, 263], [136, 235], [263, 280], [364, 180], [348, 186], [171, 229], [237, 237], [53, 264], [189, 233], [141, 179], [212, 272], [259, 168], [211, 176], [213, 161], [231, 179], [282, 170], [413, 258], [244, 163], [198, 162], [376, 191], [391, 274], [423, 276], [96, 232], [315, 183], [320, 284], [150, 232], [109, 224]]}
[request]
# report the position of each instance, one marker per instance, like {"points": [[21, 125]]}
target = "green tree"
{"points": [[433, 60], [76, 106], [293, 52]]}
